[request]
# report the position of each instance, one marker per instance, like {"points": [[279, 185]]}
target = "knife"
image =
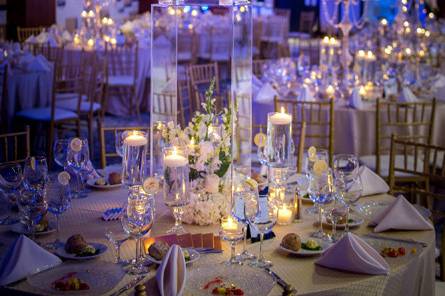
{"points": [[410, 241], [287, 288]]}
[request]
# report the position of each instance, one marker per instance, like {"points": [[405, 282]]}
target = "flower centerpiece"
{"points": [[207, 140]]}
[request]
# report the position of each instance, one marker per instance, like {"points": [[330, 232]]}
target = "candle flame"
{"points": [[282, 110]]}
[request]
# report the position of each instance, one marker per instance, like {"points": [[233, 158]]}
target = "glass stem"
{"points": [[260, 256], [320, 217], [118, 252], [177, 212], [57, 228], [334, 229], [347, 219], [138, 250], [232, 251], [245, 239]]}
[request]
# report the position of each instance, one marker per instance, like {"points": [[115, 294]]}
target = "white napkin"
{"points": [[256, 86], [439, 81], [402, 215], [266, 94], [390, 87], [38, 65], [407, 96], [23, 258], [356, 99], [306, 94], [438, 87], [51, 41], [31, 39], [353, 254], [371, 182], [42, 37], [66, 36], [127, 27], [171, 274]]}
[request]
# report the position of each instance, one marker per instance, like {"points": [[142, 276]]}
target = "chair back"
{"points": [[306, 21], [220, 42], [258, 67], [200, 78], [52, 54], [108, 135], [15, 147], [186, 45], [185, 110], [165, 106], [25, 33], [407, 121], [319, 121], [122, 60]]}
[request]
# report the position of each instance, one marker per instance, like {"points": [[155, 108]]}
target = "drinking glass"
{"points": [[309, 159], [11, 178], [60, 150], [137, 220], [35, 174], [264, 220], [116, 244], [335, 211], [321, 191], [78, 159], [279, 139], [176, 184], [232, 231], [135, 157], [347, 180]]}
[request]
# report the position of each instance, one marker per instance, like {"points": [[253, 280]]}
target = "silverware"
{"points": [[133, 283], [409, 241], [207, 250], [287, 288]]}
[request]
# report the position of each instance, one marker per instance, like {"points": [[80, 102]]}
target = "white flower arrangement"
{"points": [[207, 209]]}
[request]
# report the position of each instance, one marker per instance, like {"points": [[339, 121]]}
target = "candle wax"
{"points": [[284, 215], [175, 160], [135, 140], [280, 118]]}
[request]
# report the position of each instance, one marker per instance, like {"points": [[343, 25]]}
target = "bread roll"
{"points": [[291, 241]]}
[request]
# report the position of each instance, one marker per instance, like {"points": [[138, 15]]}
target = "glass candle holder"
{"points": [[135, 157], [176, 184], [231, 231], [279, 139]]}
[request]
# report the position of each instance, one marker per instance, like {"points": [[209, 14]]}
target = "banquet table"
{"points": [[411, 277]]}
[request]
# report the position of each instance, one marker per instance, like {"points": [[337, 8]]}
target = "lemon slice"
{"points": [[252, 183], [63, 178], [260, 139], [320, 166], [312, 153], [76, 145], [151, 185]]}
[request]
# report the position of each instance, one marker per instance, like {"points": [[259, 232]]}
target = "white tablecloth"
{"points": [[414, 277]]}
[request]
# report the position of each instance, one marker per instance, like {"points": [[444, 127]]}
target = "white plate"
{"points": [[194, 256], [101, 278], [21, 229], [303, 252], [356, 221], [60, 251], [92, 183], [253, 281]]}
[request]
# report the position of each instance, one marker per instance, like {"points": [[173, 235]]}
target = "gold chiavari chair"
{"points": [[52, 54], [15, 146], [429, 187], [184, 102], [200, 78], [318, 118], [122, 72], [110, 132], [166, 107], [408, 121], [307, 19], [300, 152], [25, 33]]}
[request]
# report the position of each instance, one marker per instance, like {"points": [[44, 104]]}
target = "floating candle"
{"points": [[284, 215], [229, 224], [280, 118], [90, 42], [361, 54], [384, 22], [175, 160], [135, 139], [330, 91]]}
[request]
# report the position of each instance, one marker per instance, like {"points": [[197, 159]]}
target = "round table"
{"points": [[415, 277]]}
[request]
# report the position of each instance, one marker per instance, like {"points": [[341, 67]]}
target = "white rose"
{"points": [[212, 183], [171, 125]]}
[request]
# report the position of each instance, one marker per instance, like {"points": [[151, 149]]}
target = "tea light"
{"points": [[307, 81], [84, 14], [76, 39], [330, 91], [362, 91], [113, 41], [91, 14], [284, 215], [408, 51], [280, 118], [427, 33], [384, 22], [90, 42], [229, 224], [325, 40], [361, 54], [106, 38], [421, 53], [175, 160], [135, 140]]}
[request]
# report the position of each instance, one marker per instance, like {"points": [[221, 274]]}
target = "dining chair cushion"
{"points": [[370, 161], [44, 114], [120, 80], [71, 105]]}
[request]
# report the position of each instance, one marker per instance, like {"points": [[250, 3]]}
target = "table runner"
{"points": [[415, 278]]}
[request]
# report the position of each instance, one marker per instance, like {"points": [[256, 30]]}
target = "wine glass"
{"points": [[78, 158], [335, 212], [232, 231], [311, 157], [60, 150], [321, 191], [59, 199], [347, 180], [11, 178], [116, 244], [176, 184], [137, 220], [35, 174], [263, 219]]}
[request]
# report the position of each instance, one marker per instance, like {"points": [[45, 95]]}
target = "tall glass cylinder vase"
{"points": [[176, 184], [279, 139], [135, 157]]}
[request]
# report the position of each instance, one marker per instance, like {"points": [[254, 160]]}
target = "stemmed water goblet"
{"points": [[264, 219], [232, 231], [116, 244], [60, 150], [11, 177], [137, 220], [78, 159], [311, 156], [347, 180], [335, 212]]}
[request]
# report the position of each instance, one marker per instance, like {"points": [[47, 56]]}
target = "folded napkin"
{"points": [[356, 99], [23, 258], [306, 94], [31, 39], [266, 94], [402, 215], [66, 36], [112, 214], [407, 96], [351, 253], [439, 81], [390, 87], [42, 37], [172, 273], [371, 182]]}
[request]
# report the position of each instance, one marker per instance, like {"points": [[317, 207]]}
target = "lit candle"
{"points": [[332, 42], [384, 22], [325, 40], [405, 24], [307, 81], [427, 33], [370, 56], [361, 54], [281, 118], [110, 22], [362, 91], [431, 15], [175, 160], [84, 14], [408, 51], [284, 215], [90, 42], [76, 39], [91, 14], [330, 91], [194, 12], [104, 21], [106, 38], [113, 41], [229, 224], [421, 53], [135, 139]]}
